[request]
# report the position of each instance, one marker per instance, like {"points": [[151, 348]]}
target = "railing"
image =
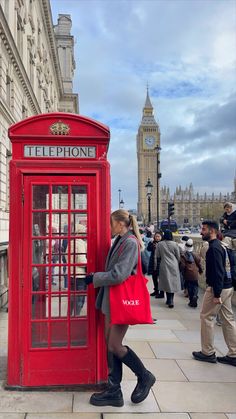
{"points": [[3, 274]]}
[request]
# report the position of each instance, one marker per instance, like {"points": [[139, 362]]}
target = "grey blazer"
{"points": [[118, 267]]}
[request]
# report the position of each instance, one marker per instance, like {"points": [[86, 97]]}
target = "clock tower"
{"points": [[148, 153]]}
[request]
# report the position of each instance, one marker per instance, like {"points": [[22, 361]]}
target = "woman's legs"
{"points": [[146, 379], [115, 350], [114, 336]]}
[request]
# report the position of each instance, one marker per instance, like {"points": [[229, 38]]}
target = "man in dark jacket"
{"points": [[217, 298]]}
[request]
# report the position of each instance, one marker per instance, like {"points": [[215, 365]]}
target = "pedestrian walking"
{"points": [[151, 271], [169, 279], [190, 266], [121, 262], [217, 297], [181, 245]]}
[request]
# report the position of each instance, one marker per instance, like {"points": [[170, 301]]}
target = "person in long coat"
{"points": [[151, 271], [169, 279], [121, 262]]}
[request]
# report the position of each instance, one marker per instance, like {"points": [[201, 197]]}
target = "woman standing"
{"points": [[151, 271], [169, 254], [121, 262]]}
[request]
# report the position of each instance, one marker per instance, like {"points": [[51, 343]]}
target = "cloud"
{"points": [[186, 51]]}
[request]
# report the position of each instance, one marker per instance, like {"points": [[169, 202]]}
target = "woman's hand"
{"points": [[89, 278]]}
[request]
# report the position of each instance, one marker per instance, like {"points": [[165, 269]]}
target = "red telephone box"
{"points": [[59, 231]]}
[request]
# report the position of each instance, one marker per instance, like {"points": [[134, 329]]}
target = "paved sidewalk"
{"points": [[185, 388]]}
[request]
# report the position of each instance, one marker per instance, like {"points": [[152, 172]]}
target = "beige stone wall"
{"points": [[30, 83], [30, 77]]}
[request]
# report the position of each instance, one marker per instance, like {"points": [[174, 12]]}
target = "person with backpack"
{"points": [[190, 266]]}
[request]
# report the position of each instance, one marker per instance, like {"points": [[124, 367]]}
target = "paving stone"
{"points": [[142, 349], [171, 324], [147, 415], [12, 416], [163, 314], [35, 402], [188, 336], [203, 371], [81, 402], [3, 367], [221, 346], [208, 416], [63, 416], [151, 335], [193, 324], [231, 416], [163, 369], [182, 397], [172, 350]]}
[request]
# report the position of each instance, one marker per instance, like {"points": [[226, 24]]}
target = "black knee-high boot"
{"points": [[145, 378], [113, 395]]}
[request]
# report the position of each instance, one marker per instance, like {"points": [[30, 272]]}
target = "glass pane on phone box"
{"points": [[78, 224], [39, 278], [40, 197], [39, 335], [59, 224], [78, 332], [59, 306], [39, 251], [78, 271], [77, 283], [79, 197], [78, 305], [59, 197], [39, 306], [59, 333], [39, 223], [59, 282], [78, 251]]}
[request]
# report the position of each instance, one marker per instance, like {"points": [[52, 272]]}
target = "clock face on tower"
{"points": [[149, 141]]}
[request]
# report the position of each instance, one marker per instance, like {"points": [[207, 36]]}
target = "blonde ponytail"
{"points": [[135, 228], [130, 222]]}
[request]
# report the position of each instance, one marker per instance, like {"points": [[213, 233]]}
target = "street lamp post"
{"points": [[158, 148], [119, 192], [149, 187], [122, 203]]}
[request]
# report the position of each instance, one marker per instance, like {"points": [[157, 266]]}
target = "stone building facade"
{"points": [[36, 73], [191, 207]]}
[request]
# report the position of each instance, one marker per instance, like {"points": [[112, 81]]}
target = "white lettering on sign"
{"points": [[52, 151], [131, 302]]}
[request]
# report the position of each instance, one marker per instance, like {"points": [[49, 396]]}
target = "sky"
{"points": [[186, 51]]}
